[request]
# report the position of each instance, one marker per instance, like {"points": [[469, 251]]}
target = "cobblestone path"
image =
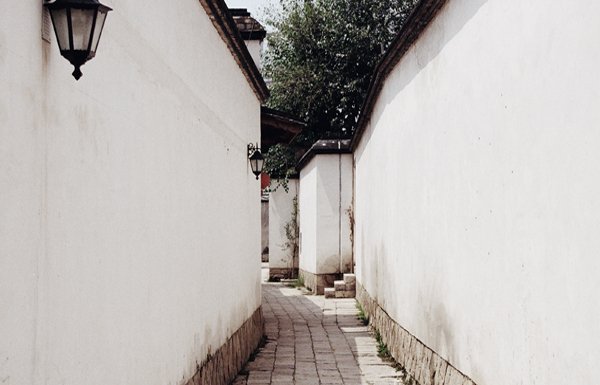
{"points": [[312, 340]]}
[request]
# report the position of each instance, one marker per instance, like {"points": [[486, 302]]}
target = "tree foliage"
{"points": [[322, 54], [280, 164]]}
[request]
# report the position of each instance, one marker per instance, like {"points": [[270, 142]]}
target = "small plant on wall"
{"points": [[280, 165], [292, 236], [350, 212]]}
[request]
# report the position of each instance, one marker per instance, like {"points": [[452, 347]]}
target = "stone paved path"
{"points": [[312, 340]]}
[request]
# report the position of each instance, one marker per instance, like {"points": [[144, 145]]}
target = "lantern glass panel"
{"points": [[256, 162], [82, 21], [98, 30], [259, 165], [59, 19]]}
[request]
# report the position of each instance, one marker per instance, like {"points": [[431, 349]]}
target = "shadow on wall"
{"points": [[440, 329], [439, 34], [438, 322], [454, 17], [433, 313]]}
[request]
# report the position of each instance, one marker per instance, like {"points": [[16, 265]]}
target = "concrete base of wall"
{"points": [[221, 367], [318, 282], [282, 273], [422, 363]]}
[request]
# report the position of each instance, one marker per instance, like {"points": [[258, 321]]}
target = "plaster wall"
{"points": [[324, 199], [281, 204], [307, 214], [264, 229], [129, 218], [255, 49], [477, 191]]}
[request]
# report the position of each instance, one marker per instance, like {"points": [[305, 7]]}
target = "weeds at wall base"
{"points": [[383, 351], [297, 283], [362, 316]]}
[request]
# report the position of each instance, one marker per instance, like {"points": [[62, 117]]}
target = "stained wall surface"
{"points": [[129, 218], [255, 49], [264, 228], [478, 194], [281, 206], [325, 197]]}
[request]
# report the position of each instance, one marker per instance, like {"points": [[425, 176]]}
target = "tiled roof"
{"points": [[278, 127], [249, 27], [325, 146]]}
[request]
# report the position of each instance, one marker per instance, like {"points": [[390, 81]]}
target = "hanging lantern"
{"points": [[78, 26], [256, 159]]}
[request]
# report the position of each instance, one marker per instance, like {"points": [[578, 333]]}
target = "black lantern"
{"points": [[78, 25], [256, 159]]}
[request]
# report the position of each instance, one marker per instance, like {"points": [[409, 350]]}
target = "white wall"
{"points": [[325, 197], [129, 219], [307, 213], [264, 228], [281, 204], [478, 195], [255, 49]]}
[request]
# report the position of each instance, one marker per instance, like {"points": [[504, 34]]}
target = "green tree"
{"points": [[280, 164], [321, 57]]}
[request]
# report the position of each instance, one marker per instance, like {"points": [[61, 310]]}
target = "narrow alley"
{"points": [[312, 340]]}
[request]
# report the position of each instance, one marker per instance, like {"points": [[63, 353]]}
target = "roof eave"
{"points": [[219, 14], [421, 16], [324, 146]]}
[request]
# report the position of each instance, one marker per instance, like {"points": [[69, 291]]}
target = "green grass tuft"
{"points": [[384, 353], [382, 348], [362, 316], [299, 282]]}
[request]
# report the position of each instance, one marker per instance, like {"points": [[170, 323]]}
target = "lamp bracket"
{"points": [[252, 148]]}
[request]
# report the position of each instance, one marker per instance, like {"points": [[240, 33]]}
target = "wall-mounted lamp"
{"points": [[78, 25], [256, 159]]}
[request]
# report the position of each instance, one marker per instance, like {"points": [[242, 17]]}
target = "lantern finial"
{"points": [[77, 73]]}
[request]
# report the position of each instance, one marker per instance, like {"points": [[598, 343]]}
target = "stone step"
{"points": [[345, 294], [350, 279], [339, 285], [329, 292]]}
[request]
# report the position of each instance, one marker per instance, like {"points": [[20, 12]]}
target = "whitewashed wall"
{"points": [[255, 49], [324, 199], [264, 228], [307, 212], [129, 220], [478, 193], [281, 205]]}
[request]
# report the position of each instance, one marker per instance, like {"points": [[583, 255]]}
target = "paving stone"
{"points": [[312, 341]]}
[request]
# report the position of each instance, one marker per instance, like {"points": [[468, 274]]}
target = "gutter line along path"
{"points": [[312, 340]]}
